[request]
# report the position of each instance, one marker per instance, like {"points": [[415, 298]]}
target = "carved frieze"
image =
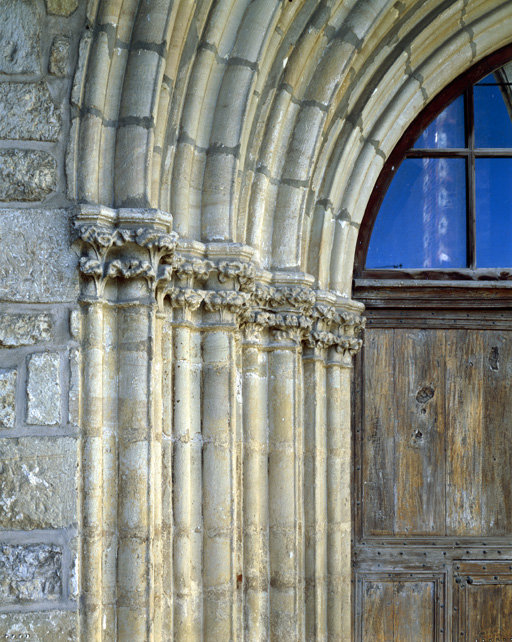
{"points": [[233, 289]]}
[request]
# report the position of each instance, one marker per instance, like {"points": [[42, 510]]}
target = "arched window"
{"points": [[443, 205], [432, 499]]}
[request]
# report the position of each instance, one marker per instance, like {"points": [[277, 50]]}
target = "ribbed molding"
{"points": [[215, 448]]}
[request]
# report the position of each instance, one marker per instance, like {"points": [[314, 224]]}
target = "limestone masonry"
{"points": [[182, 184]]}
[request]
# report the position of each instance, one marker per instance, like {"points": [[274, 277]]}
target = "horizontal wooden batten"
{"points": [[424, 291]]}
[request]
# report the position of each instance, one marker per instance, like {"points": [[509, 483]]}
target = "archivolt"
{"points": [[263, 122]]}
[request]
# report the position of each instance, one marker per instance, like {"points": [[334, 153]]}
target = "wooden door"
{"points": [[433, 466]]}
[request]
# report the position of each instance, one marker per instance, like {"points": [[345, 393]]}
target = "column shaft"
{"points": [[167, 476], [92, 472], [286, 446], [110, 472], [187, 478], [155, 478], [255, 495], [315, 493], [338, 493], [136, 435], [220, 573]]}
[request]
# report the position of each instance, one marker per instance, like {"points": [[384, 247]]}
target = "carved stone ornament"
{"points": [[118, 247], [114, 253]]}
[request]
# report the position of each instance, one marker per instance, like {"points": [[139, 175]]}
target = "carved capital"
{"points": [[123, 244], [229, 304], [138, 244], [192, 270], [188, 298], [242, 272], [254, 323]]}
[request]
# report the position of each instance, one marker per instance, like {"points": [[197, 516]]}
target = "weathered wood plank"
{"points": [[378, 434], [377, 612], [483, 613], [506, 611], [419, 432], [497, 433], [414, 611], [436, 463], [464, 432]]}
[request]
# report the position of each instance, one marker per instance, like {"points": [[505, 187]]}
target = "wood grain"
{"points": [[378, 434], [419, 432], [378, 612], [464, 432], [434, 448]]}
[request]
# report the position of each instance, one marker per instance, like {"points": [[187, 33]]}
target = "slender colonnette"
{"points": [[216, 431]]}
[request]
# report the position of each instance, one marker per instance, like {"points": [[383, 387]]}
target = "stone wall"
{"points": [[39, 326]]}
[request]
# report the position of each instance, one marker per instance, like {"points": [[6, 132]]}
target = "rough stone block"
{"points": [[37, 482], [26, 175], [59, 56], [37, 265], [27, 112], [43, 389], [8, 398], [41, 626], [24, 329], [30, 573], [19, 37], [61, 7]]}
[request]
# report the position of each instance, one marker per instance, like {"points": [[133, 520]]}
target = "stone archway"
{"points": [[251, 322]]}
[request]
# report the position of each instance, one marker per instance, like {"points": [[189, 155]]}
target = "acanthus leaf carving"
{"points": [[186, 298], [101, 243], [349, 345], [130, 269], [225, 300], [294, 312], [241, 271], [254, 322], [192, 269], [158, 242]]}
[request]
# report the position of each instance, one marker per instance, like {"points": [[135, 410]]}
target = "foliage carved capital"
{"points": [[140, 245], [123, 244]]}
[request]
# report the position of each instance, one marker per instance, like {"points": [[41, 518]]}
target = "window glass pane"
{"points": [[422, 221], [493, 212], [447, 130], [493, 109]]}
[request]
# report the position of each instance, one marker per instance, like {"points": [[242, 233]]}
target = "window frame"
{"points": [[404, 149]]}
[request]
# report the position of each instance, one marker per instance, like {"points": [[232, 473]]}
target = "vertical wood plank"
{"points": [[496, 442], [483, 614], [377, 612], [414, 611], [464, 432], [378, 434], [419, 436], [506, 611]]}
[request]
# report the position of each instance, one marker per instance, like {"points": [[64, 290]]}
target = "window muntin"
{"points": [[448, 205]]}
